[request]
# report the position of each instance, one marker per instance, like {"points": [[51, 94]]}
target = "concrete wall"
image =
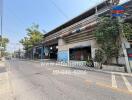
{"points": [[63, 48], [75, 45], [63, 56], [94, 46], [131, 65]]}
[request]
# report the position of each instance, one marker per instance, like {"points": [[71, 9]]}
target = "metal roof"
{"points": [[76, 19], [80, 17]]}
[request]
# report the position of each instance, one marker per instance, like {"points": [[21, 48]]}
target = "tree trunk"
{"points": [[117, 62], [100, 65]]}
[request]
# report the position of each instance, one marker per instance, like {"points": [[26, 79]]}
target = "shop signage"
{"points": [[129, 53], [118, 11]]}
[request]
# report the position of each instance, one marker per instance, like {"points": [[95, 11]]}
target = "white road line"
{"points": [[128, 85], [114, 84]]}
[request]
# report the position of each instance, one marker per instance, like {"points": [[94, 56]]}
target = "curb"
{"points": [[92, 69], [117, 73]]}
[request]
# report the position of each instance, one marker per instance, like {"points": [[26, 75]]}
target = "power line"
{"points": [[19, 19], [59, 9]]}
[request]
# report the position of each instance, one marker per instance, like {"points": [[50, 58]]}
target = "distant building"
{"points": [[19, 54]]}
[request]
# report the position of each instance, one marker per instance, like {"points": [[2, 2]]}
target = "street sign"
{"points": [[118, 11], [129, 53]]}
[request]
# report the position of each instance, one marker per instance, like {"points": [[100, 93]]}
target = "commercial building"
{"points": [[74, 41]]}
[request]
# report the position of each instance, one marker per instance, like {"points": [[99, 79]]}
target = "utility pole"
{"points": [[1, 28], [123, 41], [1, 40], [42, 53], [122, 38]]}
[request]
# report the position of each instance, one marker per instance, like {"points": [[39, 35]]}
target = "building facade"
{"points": [[74, 39]]}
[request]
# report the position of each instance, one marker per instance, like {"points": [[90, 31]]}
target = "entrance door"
{"points": [[80, 54]]}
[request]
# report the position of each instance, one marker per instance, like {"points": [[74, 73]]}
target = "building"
{"points": [[74, 41]]}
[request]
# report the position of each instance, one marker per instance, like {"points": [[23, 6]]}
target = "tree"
{"points": [[107, 36], [26, 43], [34, 36], [3, 43], [127, 30], [99, 57]]}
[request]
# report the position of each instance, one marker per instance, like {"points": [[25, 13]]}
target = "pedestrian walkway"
{"points": [[5, 87], [76, 66], [69, 65], [122, 82]]}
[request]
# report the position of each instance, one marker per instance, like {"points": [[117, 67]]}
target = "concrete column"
{"points": [[61, 42], [42, 53], [93, 48], [93, 52], [128, 66], [33, 53], [131, 65], [63, 54]]}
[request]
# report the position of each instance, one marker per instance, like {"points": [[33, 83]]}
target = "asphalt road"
{"points": [[32, 81]]}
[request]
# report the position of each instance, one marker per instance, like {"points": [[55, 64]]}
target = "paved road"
{"points": [[31, 81]]}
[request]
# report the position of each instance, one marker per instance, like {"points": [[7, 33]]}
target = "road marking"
{"points": [[114, 84], [115, 89], [89, 82], [128, 85]]}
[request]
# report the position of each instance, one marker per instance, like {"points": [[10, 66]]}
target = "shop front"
{"points": [[80, 53]]}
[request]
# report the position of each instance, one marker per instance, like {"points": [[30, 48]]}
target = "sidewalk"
{"points": [[53, 63], [5, 87], [86, 68]]}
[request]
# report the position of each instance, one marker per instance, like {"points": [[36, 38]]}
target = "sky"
{"points": [[18, 15]]}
